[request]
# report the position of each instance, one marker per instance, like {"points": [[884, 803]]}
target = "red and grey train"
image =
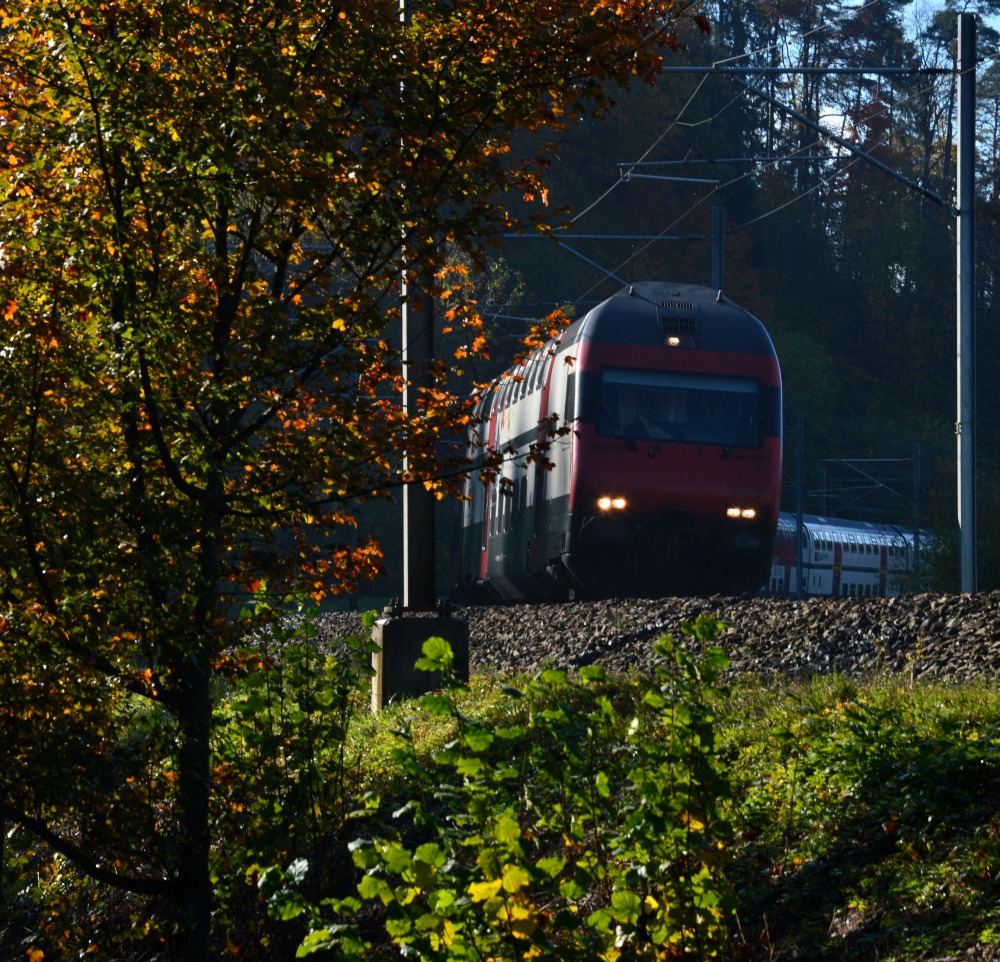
{"points": [[669, 480], [856, 559]]}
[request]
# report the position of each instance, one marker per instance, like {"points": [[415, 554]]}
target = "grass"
{"points": [[867, 818], [867, 813]]}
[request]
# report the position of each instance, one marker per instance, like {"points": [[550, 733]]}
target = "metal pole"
{"points": [[965, 426], [799, 529], [419, 554], [717, 241]]}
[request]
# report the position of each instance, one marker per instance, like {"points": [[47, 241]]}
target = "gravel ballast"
{"points": [[927, 636]]}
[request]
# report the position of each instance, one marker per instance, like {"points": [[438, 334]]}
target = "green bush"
{"points": [[285, 780], [588, 827]]}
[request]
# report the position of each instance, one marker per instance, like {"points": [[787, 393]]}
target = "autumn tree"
{"points": [[205, 210]]}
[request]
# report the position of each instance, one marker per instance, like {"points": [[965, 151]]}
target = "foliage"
{"points": [[865, 818], [861, 813], [205, 213], [584, 828], [286, 771], [286, 768]]}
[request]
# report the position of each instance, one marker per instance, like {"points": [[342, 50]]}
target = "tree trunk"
{"points": [[194, 889]]}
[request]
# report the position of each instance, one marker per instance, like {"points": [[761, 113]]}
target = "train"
{"points": [[668, 479], [860, 559]]}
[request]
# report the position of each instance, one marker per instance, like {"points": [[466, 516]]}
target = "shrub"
{"points": [[586, 828]]}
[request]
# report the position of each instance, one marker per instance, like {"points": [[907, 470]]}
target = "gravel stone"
{"points": [[926, 636]]}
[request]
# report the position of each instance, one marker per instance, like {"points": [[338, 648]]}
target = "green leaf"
{"points": [[551, 866], [317, 941], [395, 858], [507, 829], [477, 739], [469, 767], [625, 906], [515, 878], [371, 887], [603, 785], [437, 703], [438, 655], [431, 853], [572, 890]]}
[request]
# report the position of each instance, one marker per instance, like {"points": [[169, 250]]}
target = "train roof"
{"points": [[839, 526], [650, 311]]}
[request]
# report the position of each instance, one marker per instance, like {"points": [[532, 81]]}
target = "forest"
{"points": [[852, 270]]}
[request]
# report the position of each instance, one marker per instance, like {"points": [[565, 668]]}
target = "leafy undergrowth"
{"points": [[563, 816], [866, 813], [867, 819], [581, 823]]}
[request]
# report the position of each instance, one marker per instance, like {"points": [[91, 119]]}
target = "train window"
{"points": [[529, 374], [505, 396], [697, 408], [540, 367]]}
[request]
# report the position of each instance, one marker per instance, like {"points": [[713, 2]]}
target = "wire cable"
{"points": [[645, 154]]}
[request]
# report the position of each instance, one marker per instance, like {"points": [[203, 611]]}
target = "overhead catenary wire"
{"points": [[645, 153], [723, 67], [823, 182]]}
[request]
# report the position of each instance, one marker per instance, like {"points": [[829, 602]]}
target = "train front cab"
{"points": [[676, 465], [674, 485], [668, 479]]}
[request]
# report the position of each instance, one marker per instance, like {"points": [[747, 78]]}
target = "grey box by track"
{"points": [[400, 644]]}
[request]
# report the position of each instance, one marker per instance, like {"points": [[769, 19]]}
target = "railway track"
{"points": [[925, 636]]}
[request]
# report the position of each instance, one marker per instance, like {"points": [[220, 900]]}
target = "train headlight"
{"points": [[737, 512], [611, 504]]}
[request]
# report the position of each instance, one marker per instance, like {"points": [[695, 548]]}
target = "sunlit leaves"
{"points": [[207, 208], [589, 827]]}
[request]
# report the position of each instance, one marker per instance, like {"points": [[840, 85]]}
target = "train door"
{"points": [[821, 582], [492, 506]]}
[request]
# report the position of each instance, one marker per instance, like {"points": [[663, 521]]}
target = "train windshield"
{"points": [[697, 408]]}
